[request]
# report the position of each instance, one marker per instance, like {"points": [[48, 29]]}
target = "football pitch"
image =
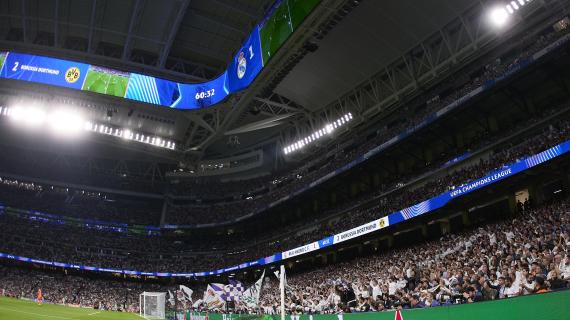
{"points": [[106, 83], [27, 310]]}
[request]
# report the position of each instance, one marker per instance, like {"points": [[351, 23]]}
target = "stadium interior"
{"points": [[186, 159]]}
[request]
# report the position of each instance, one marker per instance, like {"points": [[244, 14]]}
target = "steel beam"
{"points": [[173, 32], [237, 8], [135, 19], [24, 22], [56, 25], [91, 27], [223, 24]]}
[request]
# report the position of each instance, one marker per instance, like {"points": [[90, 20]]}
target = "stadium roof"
{"points": [[200, 35], [361, 61], [367, 40]]}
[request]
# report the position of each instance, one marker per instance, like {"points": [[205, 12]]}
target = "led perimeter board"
{"points": [[282, 20]]}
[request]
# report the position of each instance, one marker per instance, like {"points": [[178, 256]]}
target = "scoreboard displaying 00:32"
{"points": [[264, 41]]}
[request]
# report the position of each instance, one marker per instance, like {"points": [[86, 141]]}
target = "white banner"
{"points": [[362, 230], [300, 250]]}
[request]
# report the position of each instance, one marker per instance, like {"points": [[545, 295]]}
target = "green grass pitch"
{"points": [[105, 83], [27, 310], [2, 58]]}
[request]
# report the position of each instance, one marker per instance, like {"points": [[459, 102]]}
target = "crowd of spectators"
{"points": [[65, 243], [524, 255], [83, 204], [527, 254], [260, 193], [79, 291]]}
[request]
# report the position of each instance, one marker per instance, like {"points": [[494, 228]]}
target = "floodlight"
{"points": [[34, 116], [499, 16], [17, 113], [65, 121], [127, 134]]}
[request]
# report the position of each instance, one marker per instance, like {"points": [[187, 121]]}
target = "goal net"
{"points": [[152, 305]]}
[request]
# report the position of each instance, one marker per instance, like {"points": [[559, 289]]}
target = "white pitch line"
{"points": [[36, 314], [94, 313]]}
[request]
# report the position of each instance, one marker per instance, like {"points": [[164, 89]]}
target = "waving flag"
{"points": [[171, 298], [213, 296], [233, 291], [187, 292], [251, 296]]}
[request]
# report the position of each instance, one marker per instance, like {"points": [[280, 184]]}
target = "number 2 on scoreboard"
{"points": [[15, 68]]}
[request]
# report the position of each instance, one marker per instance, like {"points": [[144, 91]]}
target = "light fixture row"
{"points": [[326, 130], [69, 123]]}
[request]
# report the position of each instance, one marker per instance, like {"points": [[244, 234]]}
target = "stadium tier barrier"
{"points": [[416, 210], [546, 306]]}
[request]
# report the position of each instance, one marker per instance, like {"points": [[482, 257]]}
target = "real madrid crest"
{"points": [[241, 65]]}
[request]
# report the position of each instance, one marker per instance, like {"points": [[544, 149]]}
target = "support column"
{"points": [[445, 226], [493, 126], [424, 230], [163, 213], [389, 240], [465, 218]]}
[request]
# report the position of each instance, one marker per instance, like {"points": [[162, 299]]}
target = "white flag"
{"points": [[288, 288], [187, 291], [213, 296], [251, 296]]}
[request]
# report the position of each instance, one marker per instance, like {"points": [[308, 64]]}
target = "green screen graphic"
{"points": [[106, 81], [275, 32], [2, 59], [282, 23], [300, 9]]}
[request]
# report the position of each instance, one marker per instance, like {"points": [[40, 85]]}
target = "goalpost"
{"points": [[152, 305]]}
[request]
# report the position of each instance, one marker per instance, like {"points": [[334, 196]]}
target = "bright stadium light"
{"points": [[127, 134], [328, 129], [510, 9], [17, 114], [88, 126], [31, 116], [499, 16], [35, 116], [65, 122]]}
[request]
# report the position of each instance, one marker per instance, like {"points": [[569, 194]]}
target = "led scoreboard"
{"points": [[282, 20]]}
